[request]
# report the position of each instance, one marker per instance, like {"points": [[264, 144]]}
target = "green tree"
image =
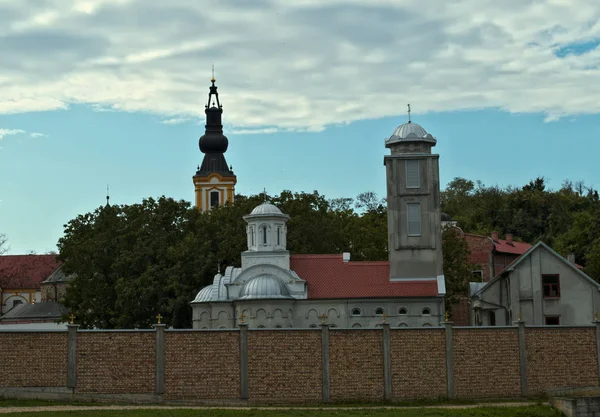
{"points": [[457, 269]]}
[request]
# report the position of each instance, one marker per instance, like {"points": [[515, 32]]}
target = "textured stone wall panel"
{"points": [[33, 359], [486, 363], [202, 365], [561, 357], [284, 366], [418, 363], [356, 365], [116, 362]]}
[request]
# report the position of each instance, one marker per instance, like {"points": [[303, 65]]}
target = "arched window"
{"points": [[403, 325], [356, 312], [426, 311], [356, 326], [279, 326], [279, 235], [261, 327], [264, 235], [379, 311], [313, 326], [427, 325], [252, 236], [492, 318], [403, 311]]}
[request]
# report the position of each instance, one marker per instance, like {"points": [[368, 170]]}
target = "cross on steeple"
{"points": [[107, 196], [265, 194], [409, 113], [213, 74]]}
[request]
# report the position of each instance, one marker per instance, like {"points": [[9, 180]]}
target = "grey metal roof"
{"points": [[48, 310], [474, 287], [57, 276], [410, 132], [264, 287], [204, 295], [265, 209]]}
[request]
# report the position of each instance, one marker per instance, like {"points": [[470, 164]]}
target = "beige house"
{"points": [[541, 288]]}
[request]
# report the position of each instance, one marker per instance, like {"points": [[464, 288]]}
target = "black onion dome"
{"points": [[213, 140]]}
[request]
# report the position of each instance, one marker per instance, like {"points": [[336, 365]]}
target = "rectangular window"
{"points": [[413, 178], [413, 214], [478, 275], [552, 320], [251, 235], [551, 286], [278, 235], [214, 199]]}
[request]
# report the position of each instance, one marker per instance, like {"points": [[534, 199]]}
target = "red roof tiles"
{"points": [[328, 276], [516, 248], [25, 271]]}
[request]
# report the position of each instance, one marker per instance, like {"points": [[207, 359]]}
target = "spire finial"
{"points": [[107, 196], [265, 194], [218, 268], [213, 74], [408, 112]]}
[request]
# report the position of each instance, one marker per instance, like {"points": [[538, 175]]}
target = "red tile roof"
{"points": [[515, 248], [328, 276], [25, 271]]}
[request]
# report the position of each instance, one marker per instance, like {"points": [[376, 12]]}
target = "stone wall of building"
{"points": [[561, 357], [356, 364], [414, 373], [33, 359], [203, 365], [284, 366], [116, 362], [486, 363]]}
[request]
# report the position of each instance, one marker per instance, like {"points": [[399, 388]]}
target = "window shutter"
{"points": [[413, 179], [413, 212]]}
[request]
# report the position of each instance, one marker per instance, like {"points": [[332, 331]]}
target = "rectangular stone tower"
{"points": [[413, 201]]}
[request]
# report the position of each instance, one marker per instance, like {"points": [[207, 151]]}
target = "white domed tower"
{"points": [[413, 199], [266, 234]]}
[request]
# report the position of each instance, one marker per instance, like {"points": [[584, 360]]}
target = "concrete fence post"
{"points": [[243, 361], [597, 322], [387, 363], [449, 359], [160, 358], [72, 355], [522, 356], [326, 376]]}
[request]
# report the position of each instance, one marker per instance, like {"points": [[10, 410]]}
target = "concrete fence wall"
{"points": [[292, 365]]}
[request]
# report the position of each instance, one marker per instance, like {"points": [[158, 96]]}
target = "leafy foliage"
{"points": [[132, 262]]}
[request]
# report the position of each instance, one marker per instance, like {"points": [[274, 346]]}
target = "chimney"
{"points": [[495, 236], [509, 238], [571, 257], [346, 256]]}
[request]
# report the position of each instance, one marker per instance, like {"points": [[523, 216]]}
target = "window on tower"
{"points": [[413, 214], [278, 235], [264, 235], [214, 199], [413, 178], [252, 236]]}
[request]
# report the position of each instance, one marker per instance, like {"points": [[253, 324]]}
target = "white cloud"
{"points": [[10, 132], [176, 121], [300, 65]]}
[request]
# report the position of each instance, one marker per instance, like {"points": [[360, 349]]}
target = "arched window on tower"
{"points": [[252, 232], [264, 235], [278, 235]]}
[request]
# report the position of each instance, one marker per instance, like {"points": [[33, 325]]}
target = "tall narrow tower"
{"points": [[214, 181], [413, 199]]}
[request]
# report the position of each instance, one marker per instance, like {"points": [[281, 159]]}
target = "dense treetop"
{"points": [[132, 262]]}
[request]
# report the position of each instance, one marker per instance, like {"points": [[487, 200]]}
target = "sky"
{"points": [[113, 92]]}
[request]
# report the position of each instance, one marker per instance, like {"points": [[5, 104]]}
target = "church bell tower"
{"points": [[214, 181], [413, 199]]}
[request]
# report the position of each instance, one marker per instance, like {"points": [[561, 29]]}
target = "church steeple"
{"points": [[214, 181]]}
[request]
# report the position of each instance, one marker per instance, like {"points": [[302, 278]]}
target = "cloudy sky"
{"points": [[112, 92]]}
